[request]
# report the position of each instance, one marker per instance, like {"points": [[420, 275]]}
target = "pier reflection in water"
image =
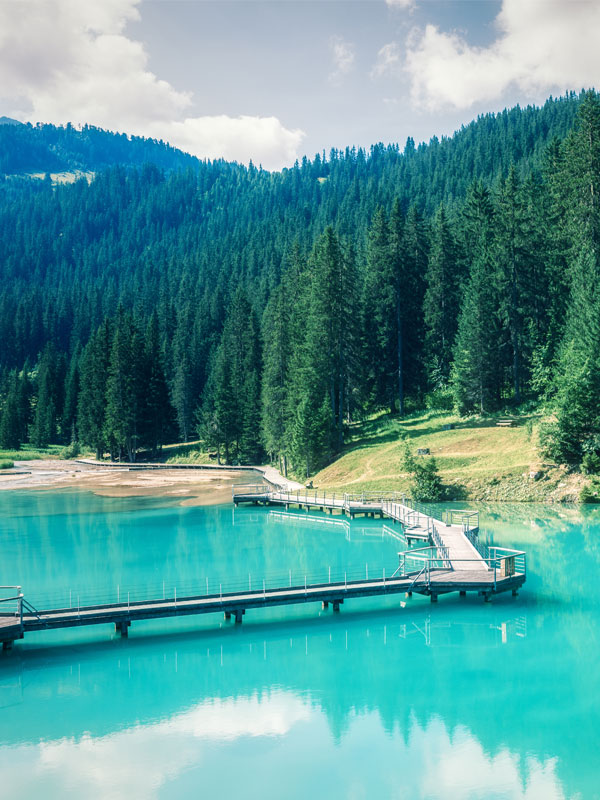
{"points": [[462, 700]]}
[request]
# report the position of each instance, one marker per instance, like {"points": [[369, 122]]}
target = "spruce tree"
{"points": [[441, 303], [10, 424], [123, 398], [277, 352], [475, 376], [156, 411], [91, 404], [48, 402]]}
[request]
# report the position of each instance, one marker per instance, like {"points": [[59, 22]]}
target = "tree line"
{"points": [[328, 296]]}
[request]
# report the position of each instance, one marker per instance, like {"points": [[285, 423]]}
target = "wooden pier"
{"points": [[451, 560]]}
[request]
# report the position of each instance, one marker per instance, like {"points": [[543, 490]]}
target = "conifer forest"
{"points": [[169, 299]]}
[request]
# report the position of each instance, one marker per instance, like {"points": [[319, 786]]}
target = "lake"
{"points": [[390, 698]]}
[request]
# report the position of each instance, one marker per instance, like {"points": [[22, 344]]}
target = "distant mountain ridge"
{"points": [[29, 149]]}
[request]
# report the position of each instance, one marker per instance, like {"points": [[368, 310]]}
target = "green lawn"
{"points": [[475, 458]]}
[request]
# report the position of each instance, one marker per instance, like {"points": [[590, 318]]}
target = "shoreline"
{"points": [[192, 485]]}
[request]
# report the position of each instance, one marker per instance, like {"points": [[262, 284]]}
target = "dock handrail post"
{"points": [[174, 594], [345, 581], [290, 571], [207, 585], [329, 575], [264, 589], [305, 584], [384, 576]]}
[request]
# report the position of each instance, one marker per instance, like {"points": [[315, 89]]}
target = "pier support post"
{"points": [[122, 627], [227, 615], [8, 645], [325, 605], [515, 592], [336, 606], [433, 597], [239, 613], [462, 593], [487, 597], [408, 594]]}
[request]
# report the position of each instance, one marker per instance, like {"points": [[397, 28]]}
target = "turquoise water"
{"points": [[388, 698]]}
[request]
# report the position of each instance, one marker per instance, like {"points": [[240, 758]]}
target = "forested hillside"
{"points": [[26, 148], [263, 311]]}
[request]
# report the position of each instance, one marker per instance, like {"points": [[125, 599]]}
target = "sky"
{"points": [[274, 80]]}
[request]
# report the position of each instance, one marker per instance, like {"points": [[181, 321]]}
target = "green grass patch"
{"points": [[6, 464], [191, 453], [470, 452], [29, 453]]}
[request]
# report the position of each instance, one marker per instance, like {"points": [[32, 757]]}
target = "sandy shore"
{"points": [[193, 486]]}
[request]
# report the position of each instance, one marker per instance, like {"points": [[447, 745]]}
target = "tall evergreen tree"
{"points": [[441, 303], [475, 376], [50, 384], [10, 425], [277, 352], [91, 405], [156, 411]]}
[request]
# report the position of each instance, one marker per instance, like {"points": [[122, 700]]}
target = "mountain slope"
{"points": [[27, 149]]}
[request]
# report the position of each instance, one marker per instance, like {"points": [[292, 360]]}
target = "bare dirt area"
{"points": [[193, 486]]}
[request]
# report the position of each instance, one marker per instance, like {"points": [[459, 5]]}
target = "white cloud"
{"points": [[71, 61], [342, 54], [542, 46], [262, 139], [388, 61], [147, 760], [401, 3]]}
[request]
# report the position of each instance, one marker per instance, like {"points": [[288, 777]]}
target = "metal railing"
{"points": [[11, 602], [482, 549], [503, 562], [177, 592]]}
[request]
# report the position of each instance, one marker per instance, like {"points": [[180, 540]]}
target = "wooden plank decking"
{"points": [[451, 561]]}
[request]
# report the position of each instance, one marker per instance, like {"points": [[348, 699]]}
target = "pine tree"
{"points": [[91, 404], [475, 378], [410, 253], [277, 353], [577, 430], [24, 402], [441, 303], [156, 412], [515, 271], [123, 399], [10, 424], [232, 410], [48, 404], [71, 393], [380, 328]]}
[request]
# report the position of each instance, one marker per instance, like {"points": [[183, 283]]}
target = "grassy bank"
{"points": [[28, 453], [476, 459]]}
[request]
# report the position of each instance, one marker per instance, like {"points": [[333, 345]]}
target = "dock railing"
{"points": [[252, 585], [11, 602], [504, 563], [410, 511]]}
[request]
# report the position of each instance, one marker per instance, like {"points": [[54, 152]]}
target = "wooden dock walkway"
{"points": [[451, 560]]}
